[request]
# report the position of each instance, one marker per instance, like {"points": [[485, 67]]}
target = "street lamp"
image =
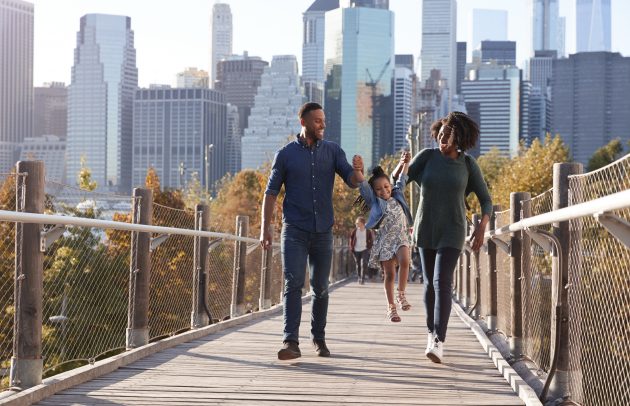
{"points": [[207, 163], [182, 172]]}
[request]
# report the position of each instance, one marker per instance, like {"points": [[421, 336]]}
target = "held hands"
{"points": [[405, 157], [357, 165]]}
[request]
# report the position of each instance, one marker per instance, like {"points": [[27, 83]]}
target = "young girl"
{"points": [[390, 215]]}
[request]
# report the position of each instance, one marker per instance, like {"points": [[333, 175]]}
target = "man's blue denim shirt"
{"points": [[308, 175]]}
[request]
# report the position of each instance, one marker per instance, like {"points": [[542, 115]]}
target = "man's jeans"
{"points": [[438, 267], [297, 247]]}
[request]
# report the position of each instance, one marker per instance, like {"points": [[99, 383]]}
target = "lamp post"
{"points": [[207, 163], [414, 136], [182, 172]]}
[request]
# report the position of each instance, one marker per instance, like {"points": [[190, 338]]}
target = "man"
{"points": [[306, 167], [361, 240]]}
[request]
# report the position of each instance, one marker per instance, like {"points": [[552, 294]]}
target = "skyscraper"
{"points": [[221, 37], [274, 117], [313, 48], [488, 25], [590, 101], [238, 76], [461, 65], [593, 25], [439, 33], [496, 90], [404, 86], [545, 28], [359, 60], [175, 130], [50, 110], [100, 101], [16, 78]]}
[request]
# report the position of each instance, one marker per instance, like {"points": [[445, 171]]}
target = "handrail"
{"points": [[615, 201], [35, 218]]}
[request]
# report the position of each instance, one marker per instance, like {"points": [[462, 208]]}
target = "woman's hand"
{"points": [[477, 237]]}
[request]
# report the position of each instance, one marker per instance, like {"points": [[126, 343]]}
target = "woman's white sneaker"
{"points": [[436, 353], [430, 339]]}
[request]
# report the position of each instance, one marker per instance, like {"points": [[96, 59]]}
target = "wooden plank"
{"points": [[373, 362]]}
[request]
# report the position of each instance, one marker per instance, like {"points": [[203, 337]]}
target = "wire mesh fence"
{"points": [[536, 291], [11, 198], [252, 279], [86, 273], [172, 269], [504, 322], [598, 299]]}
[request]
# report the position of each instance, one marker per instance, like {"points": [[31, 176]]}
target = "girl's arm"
{"points": [[403, 167]]}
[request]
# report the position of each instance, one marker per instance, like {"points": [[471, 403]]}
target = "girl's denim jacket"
{"points": [[377, 205]]}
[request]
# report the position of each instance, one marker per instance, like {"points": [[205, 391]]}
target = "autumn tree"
{"points": [[195, 193], [531, 171], [605, 155]]}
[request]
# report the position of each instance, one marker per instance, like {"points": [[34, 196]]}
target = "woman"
{"points": [[445, 174]]}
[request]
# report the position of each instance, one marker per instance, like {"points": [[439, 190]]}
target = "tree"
{"points": [[605, 155], [195, 193], [84, 178], [531, 171]]}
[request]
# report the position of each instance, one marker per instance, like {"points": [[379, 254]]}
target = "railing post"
{"points": [[140, 272], [516, 303], [199, 317], [265, 278], [466, 276], [475, 273], [237, 307], [560, 277], [27, 362], [492, 276]]}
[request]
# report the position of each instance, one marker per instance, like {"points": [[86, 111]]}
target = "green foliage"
{"points": [[605, 155], [84, 178]]}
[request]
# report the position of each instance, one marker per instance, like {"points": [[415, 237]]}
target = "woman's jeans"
{"points": [[437, 268], [297, 247]]}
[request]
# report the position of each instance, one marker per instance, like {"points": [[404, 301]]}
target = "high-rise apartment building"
{"points": [[179, 132], [590, 101], [439, 43], [233, 140], [499, 52], [220, 37], [496, 90], [593, 22], [488, 25], [100, 101], [541, 69], [50, 110], [359, 62], [461, 65], [192, 77], [274, 117], [16, 78], [313, 48], [48, 148], [431, 104]]}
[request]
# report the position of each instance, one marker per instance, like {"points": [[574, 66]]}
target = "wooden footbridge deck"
{"points": [[373, 362]]}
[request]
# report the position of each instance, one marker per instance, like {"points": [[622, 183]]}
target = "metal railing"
{"points": [[98, 274], [562, 266]]}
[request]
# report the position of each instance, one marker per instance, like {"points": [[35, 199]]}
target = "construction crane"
{"points": [[376, 109]]}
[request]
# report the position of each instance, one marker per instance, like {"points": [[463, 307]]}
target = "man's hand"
{"points": [[266, 237]]}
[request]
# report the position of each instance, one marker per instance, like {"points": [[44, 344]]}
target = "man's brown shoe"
{"points": [[320, 348], [290, 350]]}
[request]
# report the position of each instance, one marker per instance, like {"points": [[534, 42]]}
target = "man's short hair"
{"points": [[306, 107]]}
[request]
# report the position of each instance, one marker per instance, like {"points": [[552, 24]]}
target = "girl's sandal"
{"points": [[392, 314], [404, 304]]}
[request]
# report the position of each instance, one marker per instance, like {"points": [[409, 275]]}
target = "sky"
{"points": [[171, 35]]}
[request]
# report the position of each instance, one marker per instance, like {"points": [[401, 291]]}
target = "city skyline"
{"points": [[56, 24]]}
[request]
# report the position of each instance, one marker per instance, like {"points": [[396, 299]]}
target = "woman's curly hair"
{"points": [[466, 130], [377, 173]]}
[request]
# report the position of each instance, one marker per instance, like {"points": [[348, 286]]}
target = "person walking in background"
{"points": [[445, 176], [306, 167], [361, 242], [389, 213]]}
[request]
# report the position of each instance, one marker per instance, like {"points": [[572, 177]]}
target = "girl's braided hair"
{"points": [[465, 129], [359, 202]]}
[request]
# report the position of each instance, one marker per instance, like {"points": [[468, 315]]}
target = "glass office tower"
{"points": [[100, 100], [359, 62]]}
